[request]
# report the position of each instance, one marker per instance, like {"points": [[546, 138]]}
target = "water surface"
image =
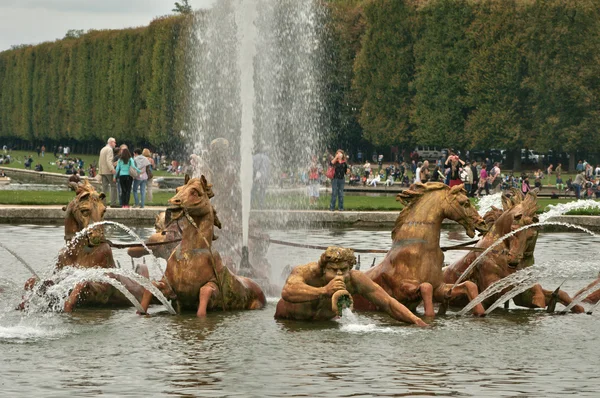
{"points": [[117, 353]]}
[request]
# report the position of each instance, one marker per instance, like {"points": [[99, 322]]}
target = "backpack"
{"points": [[132, 171], [149, 171]]}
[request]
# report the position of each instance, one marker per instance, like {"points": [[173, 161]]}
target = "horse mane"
{"points": [[511, 199], [409, 197]]}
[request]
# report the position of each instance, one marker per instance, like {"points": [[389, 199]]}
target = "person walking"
{"points": [[107, 171], [339, 178], [139, 183], [123, 173]]}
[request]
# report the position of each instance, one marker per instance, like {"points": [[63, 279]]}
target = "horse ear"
{"points": [[207, 187], [186, 179], [507, 203], [456, 189]]}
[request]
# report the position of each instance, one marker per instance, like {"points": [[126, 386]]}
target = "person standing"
{"points": [[148, 155], [475, 174], [338, 180], [418, 172], [314, 178], [454, 163], [107, 170], [495, 178], [139, 183], [578, 184], [424, 173], [124, 165], [483, 182]]}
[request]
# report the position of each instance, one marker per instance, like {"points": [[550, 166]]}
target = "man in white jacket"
{"points": [[106, 170]]}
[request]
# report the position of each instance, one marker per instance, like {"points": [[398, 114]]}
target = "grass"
{"points": [[63, 197], [295, 201], [381, 203], [49, 162]]}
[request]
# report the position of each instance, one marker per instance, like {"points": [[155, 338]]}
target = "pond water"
{"points": [[117, 353]]}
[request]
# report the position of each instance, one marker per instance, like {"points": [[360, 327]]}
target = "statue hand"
{"points": [[334, 285]]}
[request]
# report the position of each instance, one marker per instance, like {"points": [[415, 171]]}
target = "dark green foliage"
{"points": [[384, 68], [124, 83]]}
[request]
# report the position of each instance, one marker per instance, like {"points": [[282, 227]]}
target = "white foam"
{"points": [[24, 333]]}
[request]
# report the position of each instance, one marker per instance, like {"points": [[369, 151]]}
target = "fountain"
{"points": [[256, 89]]}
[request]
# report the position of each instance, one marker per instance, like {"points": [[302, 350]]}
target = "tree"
{"points": [[384, 69], [442, 54], [74, 33], [183, 7]]}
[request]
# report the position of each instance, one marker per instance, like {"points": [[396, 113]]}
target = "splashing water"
{"points": [[485, 203], [246, 15], [580, 297], [562, 208], [256, 87], [472, 266], [516, 278], [352, 323], [15, 255], [518, 289], [145, 283], [69, 245], [56, 295]]}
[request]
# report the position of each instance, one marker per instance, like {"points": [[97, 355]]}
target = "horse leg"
{"points": [[206, 292], [467, 288], [74, 296], [426, 290], [526, 299], [147, 296]]}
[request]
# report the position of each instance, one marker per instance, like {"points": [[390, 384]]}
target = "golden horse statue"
{"points": [[411, 271], [513, 254], [90, 250], [195, 273]]}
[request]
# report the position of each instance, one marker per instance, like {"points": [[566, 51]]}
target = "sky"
{"points": [[37, 21]]}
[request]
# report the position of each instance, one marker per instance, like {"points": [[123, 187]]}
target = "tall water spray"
{"points": [[255, 89]]}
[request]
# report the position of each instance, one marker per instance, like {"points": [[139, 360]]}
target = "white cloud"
{"points": [[36, 21]]}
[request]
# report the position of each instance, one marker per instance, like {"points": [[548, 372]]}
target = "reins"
{"points": [[461, 246]]}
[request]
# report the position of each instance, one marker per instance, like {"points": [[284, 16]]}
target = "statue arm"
{"points": [[375, 294], [296, 290]]}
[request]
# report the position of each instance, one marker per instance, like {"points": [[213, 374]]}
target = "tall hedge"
{"points": [[126, 83]]}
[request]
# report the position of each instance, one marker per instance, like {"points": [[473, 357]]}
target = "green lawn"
{"points": [[48, 161], [295, 201], [62, 198]]}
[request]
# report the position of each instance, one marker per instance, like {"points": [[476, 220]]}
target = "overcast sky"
{"points": [[37, 21]]}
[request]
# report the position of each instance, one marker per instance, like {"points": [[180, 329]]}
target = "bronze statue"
{"points": [[313, 291], [169, 235], [195, 273], [595, 296], [411, 271], [89, 251], [514, 254]]}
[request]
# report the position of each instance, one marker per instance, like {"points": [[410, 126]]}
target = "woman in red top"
{"points": [[454, 163]]}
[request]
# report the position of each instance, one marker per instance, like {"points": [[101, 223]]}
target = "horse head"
{"points": [[87, 208], [518, 211], [524, 212], [192, 200], [437, 200]]}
